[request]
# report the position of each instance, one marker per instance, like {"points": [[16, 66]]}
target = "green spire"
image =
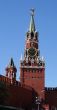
{"points": [[32, 24], [11, 64]]}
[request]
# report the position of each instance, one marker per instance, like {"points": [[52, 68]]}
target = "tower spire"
{"points": [[32, 24]]}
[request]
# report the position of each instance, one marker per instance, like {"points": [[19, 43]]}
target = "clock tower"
{"points": [[32, 66]]}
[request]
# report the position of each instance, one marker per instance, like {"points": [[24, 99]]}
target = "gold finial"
{"points": [[32, 11]]}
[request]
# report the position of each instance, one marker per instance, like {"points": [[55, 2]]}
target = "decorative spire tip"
{"points": [[32, 11]]}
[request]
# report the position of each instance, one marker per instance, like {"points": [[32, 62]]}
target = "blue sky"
{"points": [[14, 23]]}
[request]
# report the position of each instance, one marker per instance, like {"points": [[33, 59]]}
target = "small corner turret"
{"points": [[11, 71]]}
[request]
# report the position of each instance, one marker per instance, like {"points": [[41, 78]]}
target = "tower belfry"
{"points": [[32, 67]]}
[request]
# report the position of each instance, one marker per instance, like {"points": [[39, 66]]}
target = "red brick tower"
{"points": [[11, 71], [32, 67]]}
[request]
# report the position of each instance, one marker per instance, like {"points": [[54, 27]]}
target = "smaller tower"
{"points": [[11, 71]]}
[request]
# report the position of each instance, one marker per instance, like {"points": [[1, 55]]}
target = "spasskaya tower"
{"points": [[32, 66]]}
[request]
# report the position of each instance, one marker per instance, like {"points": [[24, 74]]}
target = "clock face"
{"points": [[32, 52]]}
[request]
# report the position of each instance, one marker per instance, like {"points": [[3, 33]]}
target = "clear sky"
{"points": [[14, 23]]}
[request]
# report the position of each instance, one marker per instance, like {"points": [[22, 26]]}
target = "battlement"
{"points": [[5, 79], [50, 88], [32, 63]]}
